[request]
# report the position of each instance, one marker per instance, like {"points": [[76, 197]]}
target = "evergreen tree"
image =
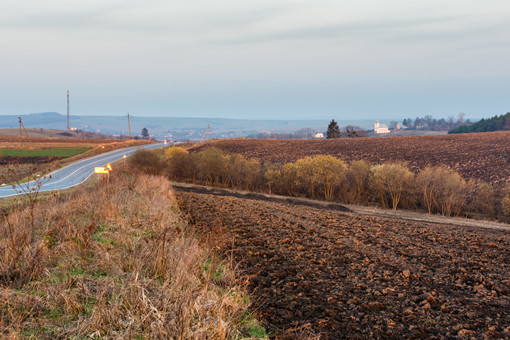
{"points": [[496, 123], [333, 130], [145, 133]]}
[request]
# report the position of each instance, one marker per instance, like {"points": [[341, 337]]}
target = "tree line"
{"points": [[430, 123], [496, 123], [435, 189], [305, 133]]}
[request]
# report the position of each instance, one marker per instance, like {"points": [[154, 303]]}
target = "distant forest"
{"points": [[496, 123], [306, 133], [429, 123]]}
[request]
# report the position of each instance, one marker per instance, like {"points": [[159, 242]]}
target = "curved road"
{"points": [[77, 173]]}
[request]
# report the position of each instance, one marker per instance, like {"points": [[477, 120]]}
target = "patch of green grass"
{"points": [[148, 232], [73, 272], [55, 152], [219, 273], [99, 236], [49, 241], [176, 209], [253, 329]]}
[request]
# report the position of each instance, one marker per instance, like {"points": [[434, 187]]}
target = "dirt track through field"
{"points": [[361, 210], [341, 274]]}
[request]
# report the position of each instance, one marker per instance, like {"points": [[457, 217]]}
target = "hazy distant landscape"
{"points": [[175, 128]]}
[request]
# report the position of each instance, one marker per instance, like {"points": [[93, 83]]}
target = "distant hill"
{"points": [[45, 120], [176, 128], [496, 123], [53, 133]]}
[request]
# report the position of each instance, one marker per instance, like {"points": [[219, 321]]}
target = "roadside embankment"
{"points": [[114, 261]]}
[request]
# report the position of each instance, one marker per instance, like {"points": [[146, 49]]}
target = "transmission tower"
{"points": [[68, 122]]}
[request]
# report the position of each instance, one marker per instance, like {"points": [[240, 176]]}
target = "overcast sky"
{"points": [[278, 59]]}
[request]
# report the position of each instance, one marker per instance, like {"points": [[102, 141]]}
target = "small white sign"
{"points": [[100, 170]]}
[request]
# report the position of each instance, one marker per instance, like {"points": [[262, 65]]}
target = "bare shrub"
{"points": [[429, 185], [211, 165], [178, 163], [242, 173], [305, 177], [358, 176], [252, 174], [481, 198], [273, 178], [321, 175], [146, 162], [455, 194], [289, 180], [505, 203], [282, 179], [234, 174], [442, 190], [391, 182]]}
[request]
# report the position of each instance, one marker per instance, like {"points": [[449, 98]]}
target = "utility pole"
{"points": [[26, 133], [19, 118], [206, 133], [129, 128], [68, 123]]}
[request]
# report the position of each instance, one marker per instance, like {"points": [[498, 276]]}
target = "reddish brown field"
{"points": [[27, 160], [484, 156], [342, 275]]}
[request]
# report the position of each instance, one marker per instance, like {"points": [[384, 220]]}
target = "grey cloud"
{"points": [[389, 31]]}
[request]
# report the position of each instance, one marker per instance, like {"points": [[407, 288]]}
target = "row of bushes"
{"points": [[436, 189]]}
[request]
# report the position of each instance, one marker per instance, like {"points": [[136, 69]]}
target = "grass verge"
{"points": [[114, 261]]}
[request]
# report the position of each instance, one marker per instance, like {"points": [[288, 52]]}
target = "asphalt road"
{"points": [[77, 173]]}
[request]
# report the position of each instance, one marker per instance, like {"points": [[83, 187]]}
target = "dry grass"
{"points": [[114, 262]]}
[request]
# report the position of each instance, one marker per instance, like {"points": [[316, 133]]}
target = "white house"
{"points": [[380, 128], [318, 135]]}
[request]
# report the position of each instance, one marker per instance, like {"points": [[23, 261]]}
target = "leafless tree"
{"points": [[461, 118]]}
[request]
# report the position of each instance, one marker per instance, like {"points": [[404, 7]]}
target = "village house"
{"points": [[380, 128]]}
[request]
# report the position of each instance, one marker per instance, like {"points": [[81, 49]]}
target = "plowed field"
{"points": [[25, 160], [339, 274], [484, 156]]}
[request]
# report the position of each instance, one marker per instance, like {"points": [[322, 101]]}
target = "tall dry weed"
{"points": [[114, 261]]}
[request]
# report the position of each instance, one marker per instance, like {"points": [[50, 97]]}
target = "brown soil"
{"points": [[484, 156], [28, 160], [339, 274]]}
